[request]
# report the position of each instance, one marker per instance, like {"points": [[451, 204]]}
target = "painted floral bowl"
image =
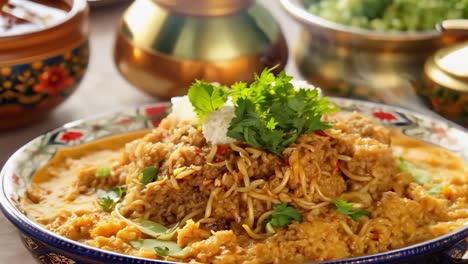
{"points": [[40, 65], [48, 247]]}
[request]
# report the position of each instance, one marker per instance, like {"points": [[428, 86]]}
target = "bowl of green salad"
{"points": [[371, 49]]}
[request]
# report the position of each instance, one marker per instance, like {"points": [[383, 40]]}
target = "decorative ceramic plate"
{"points": [[48, 247]]}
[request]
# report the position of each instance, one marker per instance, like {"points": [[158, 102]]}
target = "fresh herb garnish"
{"points": [[348, 209], [162, 248], [206, 98], [282, 216], [105, 203], [269, 113], [148, 175], [419, 176], [110, 197], [102, 172]]}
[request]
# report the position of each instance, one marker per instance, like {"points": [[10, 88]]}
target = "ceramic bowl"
{"points": [[40, 69], [48, 247]]}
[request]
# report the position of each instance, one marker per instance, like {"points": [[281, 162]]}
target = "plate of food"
{"points": [[266, 172]]}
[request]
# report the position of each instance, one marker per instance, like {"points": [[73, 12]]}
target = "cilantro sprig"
{"points": [[269, 113], [348, 209], [107, 200], [282, 216]]}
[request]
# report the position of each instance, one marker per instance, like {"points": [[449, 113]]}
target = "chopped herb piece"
{"points": [[348, 209], [436, 189], [162, 248], [102, 172], [206, 98], [282, 216], [148, 175], [110, 197], [419, 176], [105, 203]]}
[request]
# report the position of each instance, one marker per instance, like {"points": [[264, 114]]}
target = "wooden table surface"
{"points": [[102, 90]]}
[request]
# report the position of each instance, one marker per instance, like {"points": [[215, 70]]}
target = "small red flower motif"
{"points": [[15, 179], [154, 110], [124, 121], [384, 116], [53, 81], [71, 135]]}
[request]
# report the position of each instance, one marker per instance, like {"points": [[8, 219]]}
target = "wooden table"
{"points": [[102, 90]]}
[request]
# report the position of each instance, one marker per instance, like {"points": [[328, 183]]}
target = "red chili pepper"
{"points": [[197, 150], [222, 149], [286, 162], [337, 164], [323, 134]]}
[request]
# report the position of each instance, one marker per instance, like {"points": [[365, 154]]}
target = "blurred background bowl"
{"points": [[39, 69], [352, 62]]}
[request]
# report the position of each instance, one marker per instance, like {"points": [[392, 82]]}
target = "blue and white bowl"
{"points": [[51, 248]]}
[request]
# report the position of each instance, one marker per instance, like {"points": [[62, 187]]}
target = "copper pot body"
{"points": [[351, 62], [40, 69], [162, 46]]}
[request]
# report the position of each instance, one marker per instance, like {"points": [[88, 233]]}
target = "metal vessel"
{"points": [[162, 46]]}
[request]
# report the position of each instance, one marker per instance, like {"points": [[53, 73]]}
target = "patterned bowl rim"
{"points": [[27, 226]]}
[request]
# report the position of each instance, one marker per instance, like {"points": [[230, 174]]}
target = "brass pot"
{"points": [[352, 62], [162, 46], [41, 68], [445, 88]]}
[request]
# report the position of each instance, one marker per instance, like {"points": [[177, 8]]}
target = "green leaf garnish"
{"points": [[148, 175], [271, 113], [162, 248], [206, 98], [419, 176], [436, 189], [282, 216], [105, 203], [162, 251], [348, 209], [102, 172], [148, 227], [110, 197]]}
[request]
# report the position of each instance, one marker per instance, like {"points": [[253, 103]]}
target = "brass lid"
{"points": [[205, 7], [448, 67]]}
